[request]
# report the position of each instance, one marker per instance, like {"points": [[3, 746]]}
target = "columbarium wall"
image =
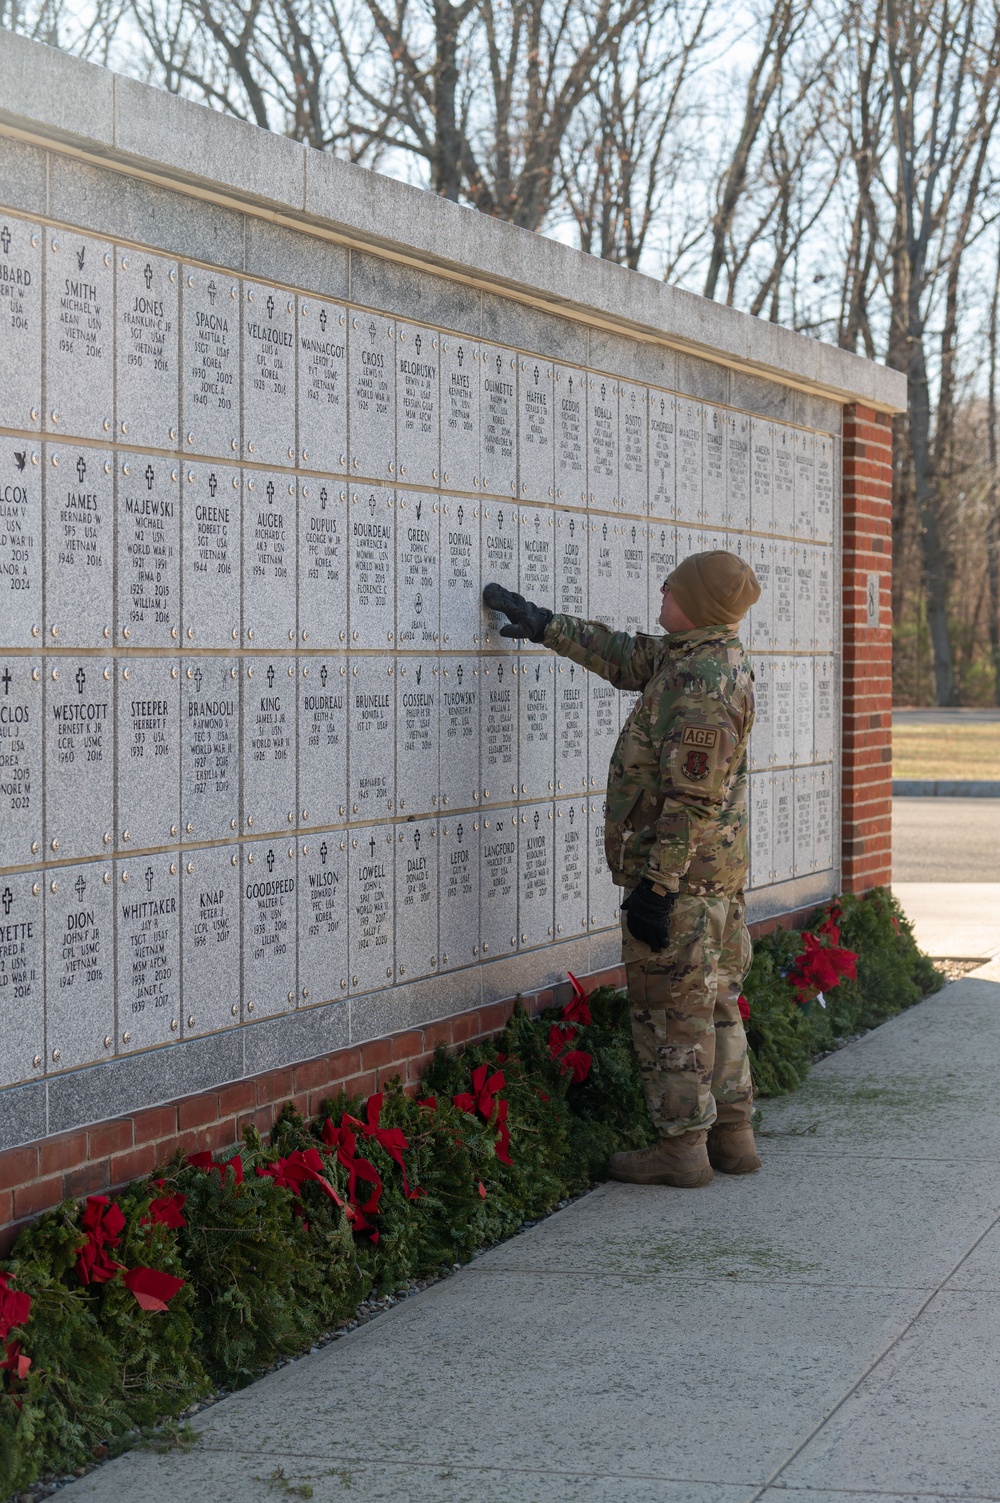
{"points": [[272, 783]]}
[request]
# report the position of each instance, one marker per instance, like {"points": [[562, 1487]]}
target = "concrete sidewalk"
{"points": [[827, 1330]]}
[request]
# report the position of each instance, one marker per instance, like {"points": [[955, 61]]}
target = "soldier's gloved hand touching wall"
{"points": [[525, 619]]}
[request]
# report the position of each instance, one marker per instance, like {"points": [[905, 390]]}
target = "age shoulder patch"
{"points": [[705, 737]]}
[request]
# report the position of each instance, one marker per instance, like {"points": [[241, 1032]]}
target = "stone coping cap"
{"points": [[62, 100]]}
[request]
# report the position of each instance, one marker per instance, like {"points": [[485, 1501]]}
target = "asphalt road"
{"points": [[946, 840]]}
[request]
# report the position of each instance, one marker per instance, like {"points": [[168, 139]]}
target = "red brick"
{"points": [[39, 1195], [67, 1151], [88, 1179], [361, 1085], [135, 1164], [6, 1207], [158, 1122], [196, 1111], [277, 1084], [111, 1137], [406, 1045], [493, 1018], [377, 1052], [238, 1097], [439, 1033], [17, 1166], [311, 1074]]}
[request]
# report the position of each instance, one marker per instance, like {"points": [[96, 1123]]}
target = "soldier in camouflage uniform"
{"points": [[676, 839]]}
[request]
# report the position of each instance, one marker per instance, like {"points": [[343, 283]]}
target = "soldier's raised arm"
{"points": [[627, 662]]}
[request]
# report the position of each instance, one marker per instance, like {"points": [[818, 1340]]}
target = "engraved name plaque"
{"points": [[417, 735], [269, 562], [602, 434], [323, 589], [210, 939], [322, 352], [211, 536], [498, 883], [572, 859], [79, 757], [323, 918], [80, 965], [418, 583], [21, 323], [499, 681], [371, 738], [210, 346], [371, 887], [417, 405], [459, 414], [270, 922], [371, 557], [416, 904], [20, 760], [459, 720], [498, 421], [458, 868], [322, 741], [20, 543], [500, 561], [149, 746], [536, 431], [268, 745], [570, 412], [371, 384], [148, 952], [268, 374], [146, 344], [22, 971], [149, 574], [535, 853], [79, 336], [210, 744]]}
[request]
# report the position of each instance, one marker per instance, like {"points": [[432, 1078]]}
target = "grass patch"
{"points": [[955, 749]]}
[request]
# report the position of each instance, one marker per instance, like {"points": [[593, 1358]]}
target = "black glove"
{"points": [[647, 915], [526, 620]]}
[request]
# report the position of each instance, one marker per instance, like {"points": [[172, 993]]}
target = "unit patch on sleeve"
{"points": [[705, 737]]}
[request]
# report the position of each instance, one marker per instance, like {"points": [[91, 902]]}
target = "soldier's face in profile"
{"points": [[671, 618]]}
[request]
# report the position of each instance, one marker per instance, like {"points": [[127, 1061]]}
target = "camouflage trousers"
{"points": [[686, 1024]]}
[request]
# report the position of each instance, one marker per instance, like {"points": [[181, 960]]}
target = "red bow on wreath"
{"points": [[346, 1144], [576, 1010], [204, 1160], [166, 1211], [570, 1061], [103, 1223], [391, 1139], [820, 967], [15, 1307], [302, 1166], [481, 1099]]}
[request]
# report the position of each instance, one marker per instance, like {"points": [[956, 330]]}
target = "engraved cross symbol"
{"points": [[269, 863], [323, 675], [572, 526], [213, 484], [323, 852], [500, 521], [416, 840], [633, 534], [6, 680], [269, 492], [269, 305], [212, 291], [5, 240], [536, 375], [417, 343], [270, 675], [322, 319], [499, 365], [571, 385], [372, 503], [81, 468], [323, 498], [149, 476], [371, 847], [372, 331], [461, 515], [538, 819], [81, 679], [147, 275], [8, 899], [148, 874], [461, 356], [80, 887]]}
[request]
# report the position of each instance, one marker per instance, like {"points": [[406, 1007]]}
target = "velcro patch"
{"points": [[704, 736]]}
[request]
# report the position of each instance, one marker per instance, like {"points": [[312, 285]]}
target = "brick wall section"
{"points": [[106, 1156], [866, 807], [93, 1160]]}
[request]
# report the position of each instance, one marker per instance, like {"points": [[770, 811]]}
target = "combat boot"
{"points": [[681, 1161], [731, 1148]]}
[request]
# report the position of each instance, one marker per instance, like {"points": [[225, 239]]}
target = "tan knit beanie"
{"points": [[714, 589]]}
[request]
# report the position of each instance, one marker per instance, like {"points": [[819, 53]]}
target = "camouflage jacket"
{"points": [[677, 783]]}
